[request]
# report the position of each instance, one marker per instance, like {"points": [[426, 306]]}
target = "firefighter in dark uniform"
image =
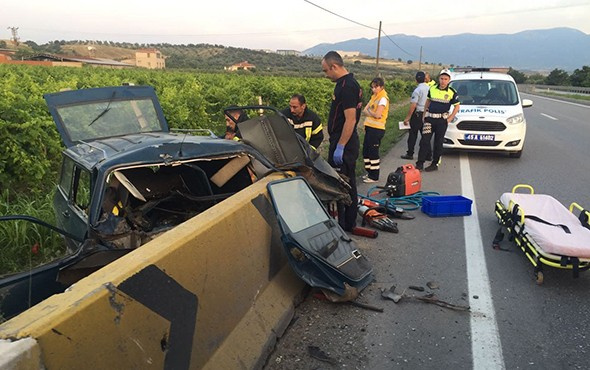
{"points": [[345, 113], [233, 116], [436, 119], [306, 122]]}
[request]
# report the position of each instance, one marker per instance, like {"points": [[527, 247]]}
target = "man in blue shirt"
{"points": [[415, 113]]}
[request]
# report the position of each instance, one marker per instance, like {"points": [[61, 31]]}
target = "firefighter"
{"points": [[233, 116], [306, 122], [344, 116]]}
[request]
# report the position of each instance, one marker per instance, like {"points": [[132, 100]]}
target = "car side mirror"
{"points": [[527, 103]]}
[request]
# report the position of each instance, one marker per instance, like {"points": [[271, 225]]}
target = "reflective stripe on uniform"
{"points": [[307, 134], [116, 209], [372, 164], [300, 125], [441, 100]]}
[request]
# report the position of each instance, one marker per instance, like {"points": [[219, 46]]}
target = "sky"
{"points": [[294, 24]]}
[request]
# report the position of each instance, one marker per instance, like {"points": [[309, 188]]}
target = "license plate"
{"points": [[480, 137]]}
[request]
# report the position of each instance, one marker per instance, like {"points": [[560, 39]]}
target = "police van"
{"points": [[491, 116]]}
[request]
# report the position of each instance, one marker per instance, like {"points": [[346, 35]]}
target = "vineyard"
{"points": [[30, 154]]}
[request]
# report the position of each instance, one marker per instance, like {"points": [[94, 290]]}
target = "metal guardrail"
{"points": [[556, 89]]}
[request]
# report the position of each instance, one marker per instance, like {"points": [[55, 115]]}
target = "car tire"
{"points": [[516, 154]]}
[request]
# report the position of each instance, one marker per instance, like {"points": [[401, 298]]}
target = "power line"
{"points": [[394, 43], [341, 16], [360, 24]]}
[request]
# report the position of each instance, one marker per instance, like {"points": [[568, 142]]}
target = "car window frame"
{"points": [[73, 198]]}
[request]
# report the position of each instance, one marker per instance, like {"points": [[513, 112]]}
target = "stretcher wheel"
{"points": [[539, 277]]}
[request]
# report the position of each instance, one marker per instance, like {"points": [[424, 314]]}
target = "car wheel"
{"points": [[516, 154]]}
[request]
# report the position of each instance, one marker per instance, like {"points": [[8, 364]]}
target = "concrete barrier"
{"points": [[22, 354], [213, 293]]}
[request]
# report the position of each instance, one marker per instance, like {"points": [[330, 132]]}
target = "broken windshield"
{"points": [[124, 117]]}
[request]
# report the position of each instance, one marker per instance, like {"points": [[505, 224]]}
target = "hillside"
{"points": [[100, 51], [538, 50], [214, 58]]}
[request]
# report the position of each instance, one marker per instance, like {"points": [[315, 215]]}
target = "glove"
{"points": [[338, 153]]}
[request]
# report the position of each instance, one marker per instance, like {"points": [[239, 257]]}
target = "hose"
{"points": [[407, 202]]}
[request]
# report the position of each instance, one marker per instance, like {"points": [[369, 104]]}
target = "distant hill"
{"points": [[214, 58], [538, 50]]}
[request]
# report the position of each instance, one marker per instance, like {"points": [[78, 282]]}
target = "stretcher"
{"points": [[546, 231]]}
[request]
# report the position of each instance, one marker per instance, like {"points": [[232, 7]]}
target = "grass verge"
{"points": [[24, 245]]}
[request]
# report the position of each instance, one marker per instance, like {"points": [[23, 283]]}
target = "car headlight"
{"points": [[454, 120], [519, 118]]}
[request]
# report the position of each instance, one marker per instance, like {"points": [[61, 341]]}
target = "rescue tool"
{"points": [[377, 217]]}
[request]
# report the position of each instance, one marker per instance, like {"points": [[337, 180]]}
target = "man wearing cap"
{"points": [[415, 113], [436, 119]]}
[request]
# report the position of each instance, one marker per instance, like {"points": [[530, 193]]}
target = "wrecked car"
{"points": [[126, 178]]}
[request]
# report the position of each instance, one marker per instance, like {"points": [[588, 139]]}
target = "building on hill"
{"points": [[288, 52], [242, 66], [150, 58], [52, 60], [6, 52], [348, 54]]}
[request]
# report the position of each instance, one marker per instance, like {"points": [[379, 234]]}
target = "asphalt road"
{"points": [[513, 323]]}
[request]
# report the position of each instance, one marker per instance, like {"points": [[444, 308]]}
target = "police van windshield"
{"points": [[486, 92]]}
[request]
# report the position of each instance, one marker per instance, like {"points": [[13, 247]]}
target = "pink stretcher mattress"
{"points": [[551, 239]]}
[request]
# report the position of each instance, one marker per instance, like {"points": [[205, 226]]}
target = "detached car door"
{"points": [[319, 251]]}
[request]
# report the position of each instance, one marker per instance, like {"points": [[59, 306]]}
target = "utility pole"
{"points": [[420, 61], [378, 47], [14, 31]]}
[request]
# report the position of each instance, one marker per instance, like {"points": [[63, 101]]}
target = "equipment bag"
{"points": [[406, 180]]}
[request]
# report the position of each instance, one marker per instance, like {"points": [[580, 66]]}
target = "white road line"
{"points": [[486, 347], [560, 101], [548, 116]]}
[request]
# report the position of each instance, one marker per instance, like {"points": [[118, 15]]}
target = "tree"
{"points": [[518, 76], [3, 44], [558, 77], [581, 77], [536, 79], [410, 61], [357, 62]]}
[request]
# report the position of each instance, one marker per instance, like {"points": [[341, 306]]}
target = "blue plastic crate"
{"points": [[446, 205]]}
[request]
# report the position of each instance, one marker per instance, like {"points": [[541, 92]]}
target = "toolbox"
{"points": [[446, 205]]}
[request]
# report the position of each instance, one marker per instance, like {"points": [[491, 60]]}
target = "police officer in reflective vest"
{"points": [[305, 121], [436, 119]]}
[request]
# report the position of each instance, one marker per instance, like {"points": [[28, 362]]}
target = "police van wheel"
{"points": [[516, 154]]}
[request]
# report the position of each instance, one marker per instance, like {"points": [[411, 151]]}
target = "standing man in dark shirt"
{"points": [[345, 113], [305, 121]]}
